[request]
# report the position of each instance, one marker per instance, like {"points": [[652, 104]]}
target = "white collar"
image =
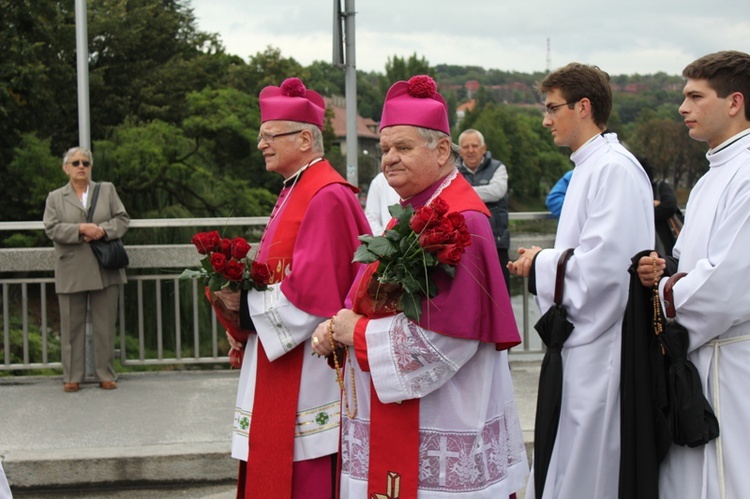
{"points": [[295, 176], [730, 140]]}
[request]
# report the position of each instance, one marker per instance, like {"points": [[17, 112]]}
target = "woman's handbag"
{"points": [[110, 252]]}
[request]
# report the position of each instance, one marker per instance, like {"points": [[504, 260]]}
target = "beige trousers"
{"points": [[73, 333]]}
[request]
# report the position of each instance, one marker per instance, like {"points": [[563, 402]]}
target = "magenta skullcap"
{"points": [[416, 103], [292, 101]]}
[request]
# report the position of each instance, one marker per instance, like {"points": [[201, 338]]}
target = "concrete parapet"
{"points": [[152, 256], [173, 256]]}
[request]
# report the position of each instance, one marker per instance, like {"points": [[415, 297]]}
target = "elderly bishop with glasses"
{"points": [[286, 423]]}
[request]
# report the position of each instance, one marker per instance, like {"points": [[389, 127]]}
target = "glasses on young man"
{"points": [[268, 137], [77, 163], [550, 110]]}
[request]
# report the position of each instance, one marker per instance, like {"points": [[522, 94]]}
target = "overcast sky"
{"points": [[621, 37]]}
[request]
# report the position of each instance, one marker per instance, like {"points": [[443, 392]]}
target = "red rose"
{"points": [[440, 206], [260, 273], [433, 239], [240, 248], [460, 234], [205, 242], [450, 254], [234, 270], [423, 219], [464, 236], [225, 246], [456, 219], [218, 262], [198, 241]]}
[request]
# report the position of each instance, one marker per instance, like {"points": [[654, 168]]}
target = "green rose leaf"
{"points": [[364, 255], [411, 304], [381, 247], [190, 274]]}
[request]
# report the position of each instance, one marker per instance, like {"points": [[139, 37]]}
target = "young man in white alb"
{"points": [[712, 301]]}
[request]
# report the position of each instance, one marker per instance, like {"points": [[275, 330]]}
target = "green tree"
{"points": [[326, 79], [31, 175], [145, 57], [516, 137], [37, 81], [264, 69], [175, 118], [161, 173], [369, 96], [225, 125], [666, 143], [399, 68], [452, 102]]}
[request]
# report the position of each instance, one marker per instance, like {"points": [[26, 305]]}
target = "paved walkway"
{"points": [[155, 426]]}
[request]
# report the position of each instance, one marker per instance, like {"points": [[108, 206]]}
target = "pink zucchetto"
{"points": [[292, 101], [415, 103]]}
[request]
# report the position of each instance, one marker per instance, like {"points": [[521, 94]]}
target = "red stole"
{"points": [[274, 418], [394, 428]]}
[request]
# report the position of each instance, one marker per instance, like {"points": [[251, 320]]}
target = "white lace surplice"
{"points": [[470, 435]]}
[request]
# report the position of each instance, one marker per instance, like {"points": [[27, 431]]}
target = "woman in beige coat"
{"points": [[79, 278]]}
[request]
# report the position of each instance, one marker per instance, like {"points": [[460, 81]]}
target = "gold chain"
{"points": [[340, 375]]}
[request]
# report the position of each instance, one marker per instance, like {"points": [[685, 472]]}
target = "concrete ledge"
{"points": [[117, 466], [170, 256], [155, 256]]}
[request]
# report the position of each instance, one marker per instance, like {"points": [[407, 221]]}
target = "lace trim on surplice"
{"points": [[450, 461]]}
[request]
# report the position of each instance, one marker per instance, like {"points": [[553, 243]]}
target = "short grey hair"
{"points": [[75, 150], [432, 137], [470, 131], [317, 135]]}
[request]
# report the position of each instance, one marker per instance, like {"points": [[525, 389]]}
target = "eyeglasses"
{"points": [[550, 110], [268, 137], [77, 162]]}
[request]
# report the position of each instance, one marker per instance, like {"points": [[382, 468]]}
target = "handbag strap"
{"points": [[560, 277], [669, 294], [92, 206]]}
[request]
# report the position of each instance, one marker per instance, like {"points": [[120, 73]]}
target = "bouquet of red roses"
{"points": [[407, 254], [226, 265]]}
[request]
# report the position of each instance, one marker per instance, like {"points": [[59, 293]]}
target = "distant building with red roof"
{"points": [[367, 128], [472, 87], [464, 108]]}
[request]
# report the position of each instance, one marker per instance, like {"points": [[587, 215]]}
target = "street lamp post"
{"points": [[350, 67]]}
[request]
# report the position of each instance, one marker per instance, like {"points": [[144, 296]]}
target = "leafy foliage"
{"points": [[174, 118], [674, 155], [32, 173]]}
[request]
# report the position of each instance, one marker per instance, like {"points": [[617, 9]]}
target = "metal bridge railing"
{"points": [[161, 328]]}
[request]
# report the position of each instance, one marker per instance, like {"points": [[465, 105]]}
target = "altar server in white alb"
{"points": [[712, 300], [606, 218]]}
